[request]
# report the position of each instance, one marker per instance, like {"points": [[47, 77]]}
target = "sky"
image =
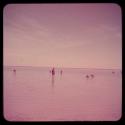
{"points": [[63, 35]]}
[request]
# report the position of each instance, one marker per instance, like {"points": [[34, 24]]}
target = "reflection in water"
{"points": [[53, 80], [70, 98]]}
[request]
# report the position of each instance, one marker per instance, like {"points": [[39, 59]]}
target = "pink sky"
{"points": [[63, 35]]}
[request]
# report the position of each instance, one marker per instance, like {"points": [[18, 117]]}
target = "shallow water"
{"points": [[32, 94]]}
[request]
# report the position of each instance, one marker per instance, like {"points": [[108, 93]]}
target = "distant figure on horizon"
{"points": [[53, 75], [53, 71], [61, 72], [87, 76], [92, 75], [14, 70]]}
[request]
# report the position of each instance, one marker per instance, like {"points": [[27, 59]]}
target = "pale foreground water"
{"points": [[32, 94]]}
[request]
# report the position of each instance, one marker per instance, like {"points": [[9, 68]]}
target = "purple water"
{"points": [[31, 94]]}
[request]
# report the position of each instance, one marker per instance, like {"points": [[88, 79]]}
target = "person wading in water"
{"points": [[61, 72], [53, 75], [53, 71]]}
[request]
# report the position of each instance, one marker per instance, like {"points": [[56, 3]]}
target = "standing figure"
{"points": [[53, 71], [87, 76], [61, 72], [92, 75], [14, 70], [53, 75]]}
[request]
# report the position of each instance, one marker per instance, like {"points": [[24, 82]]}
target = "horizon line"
{"points": [[60, 67]]}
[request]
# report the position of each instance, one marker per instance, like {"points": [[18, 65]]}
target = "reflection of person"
{"points": [[52, 80]]}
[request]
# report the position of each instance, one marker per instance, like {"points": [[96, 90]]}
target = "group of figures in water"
{"points": [[90, 76], [53, 74], [52, 71]]}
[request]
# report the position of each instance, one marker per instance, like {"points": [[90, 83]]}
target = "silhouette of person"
{"points": [[14, 70], [53, 71], [87, 76], [92, 75], [53, 75], [61, 72]]}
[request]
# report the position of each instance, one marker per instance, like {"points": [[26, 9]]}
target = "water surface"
{"points": [[33, 94]]}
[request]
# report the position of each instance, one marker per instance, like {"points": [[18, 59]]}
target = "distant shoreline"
{"points": [[63, 67]]}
